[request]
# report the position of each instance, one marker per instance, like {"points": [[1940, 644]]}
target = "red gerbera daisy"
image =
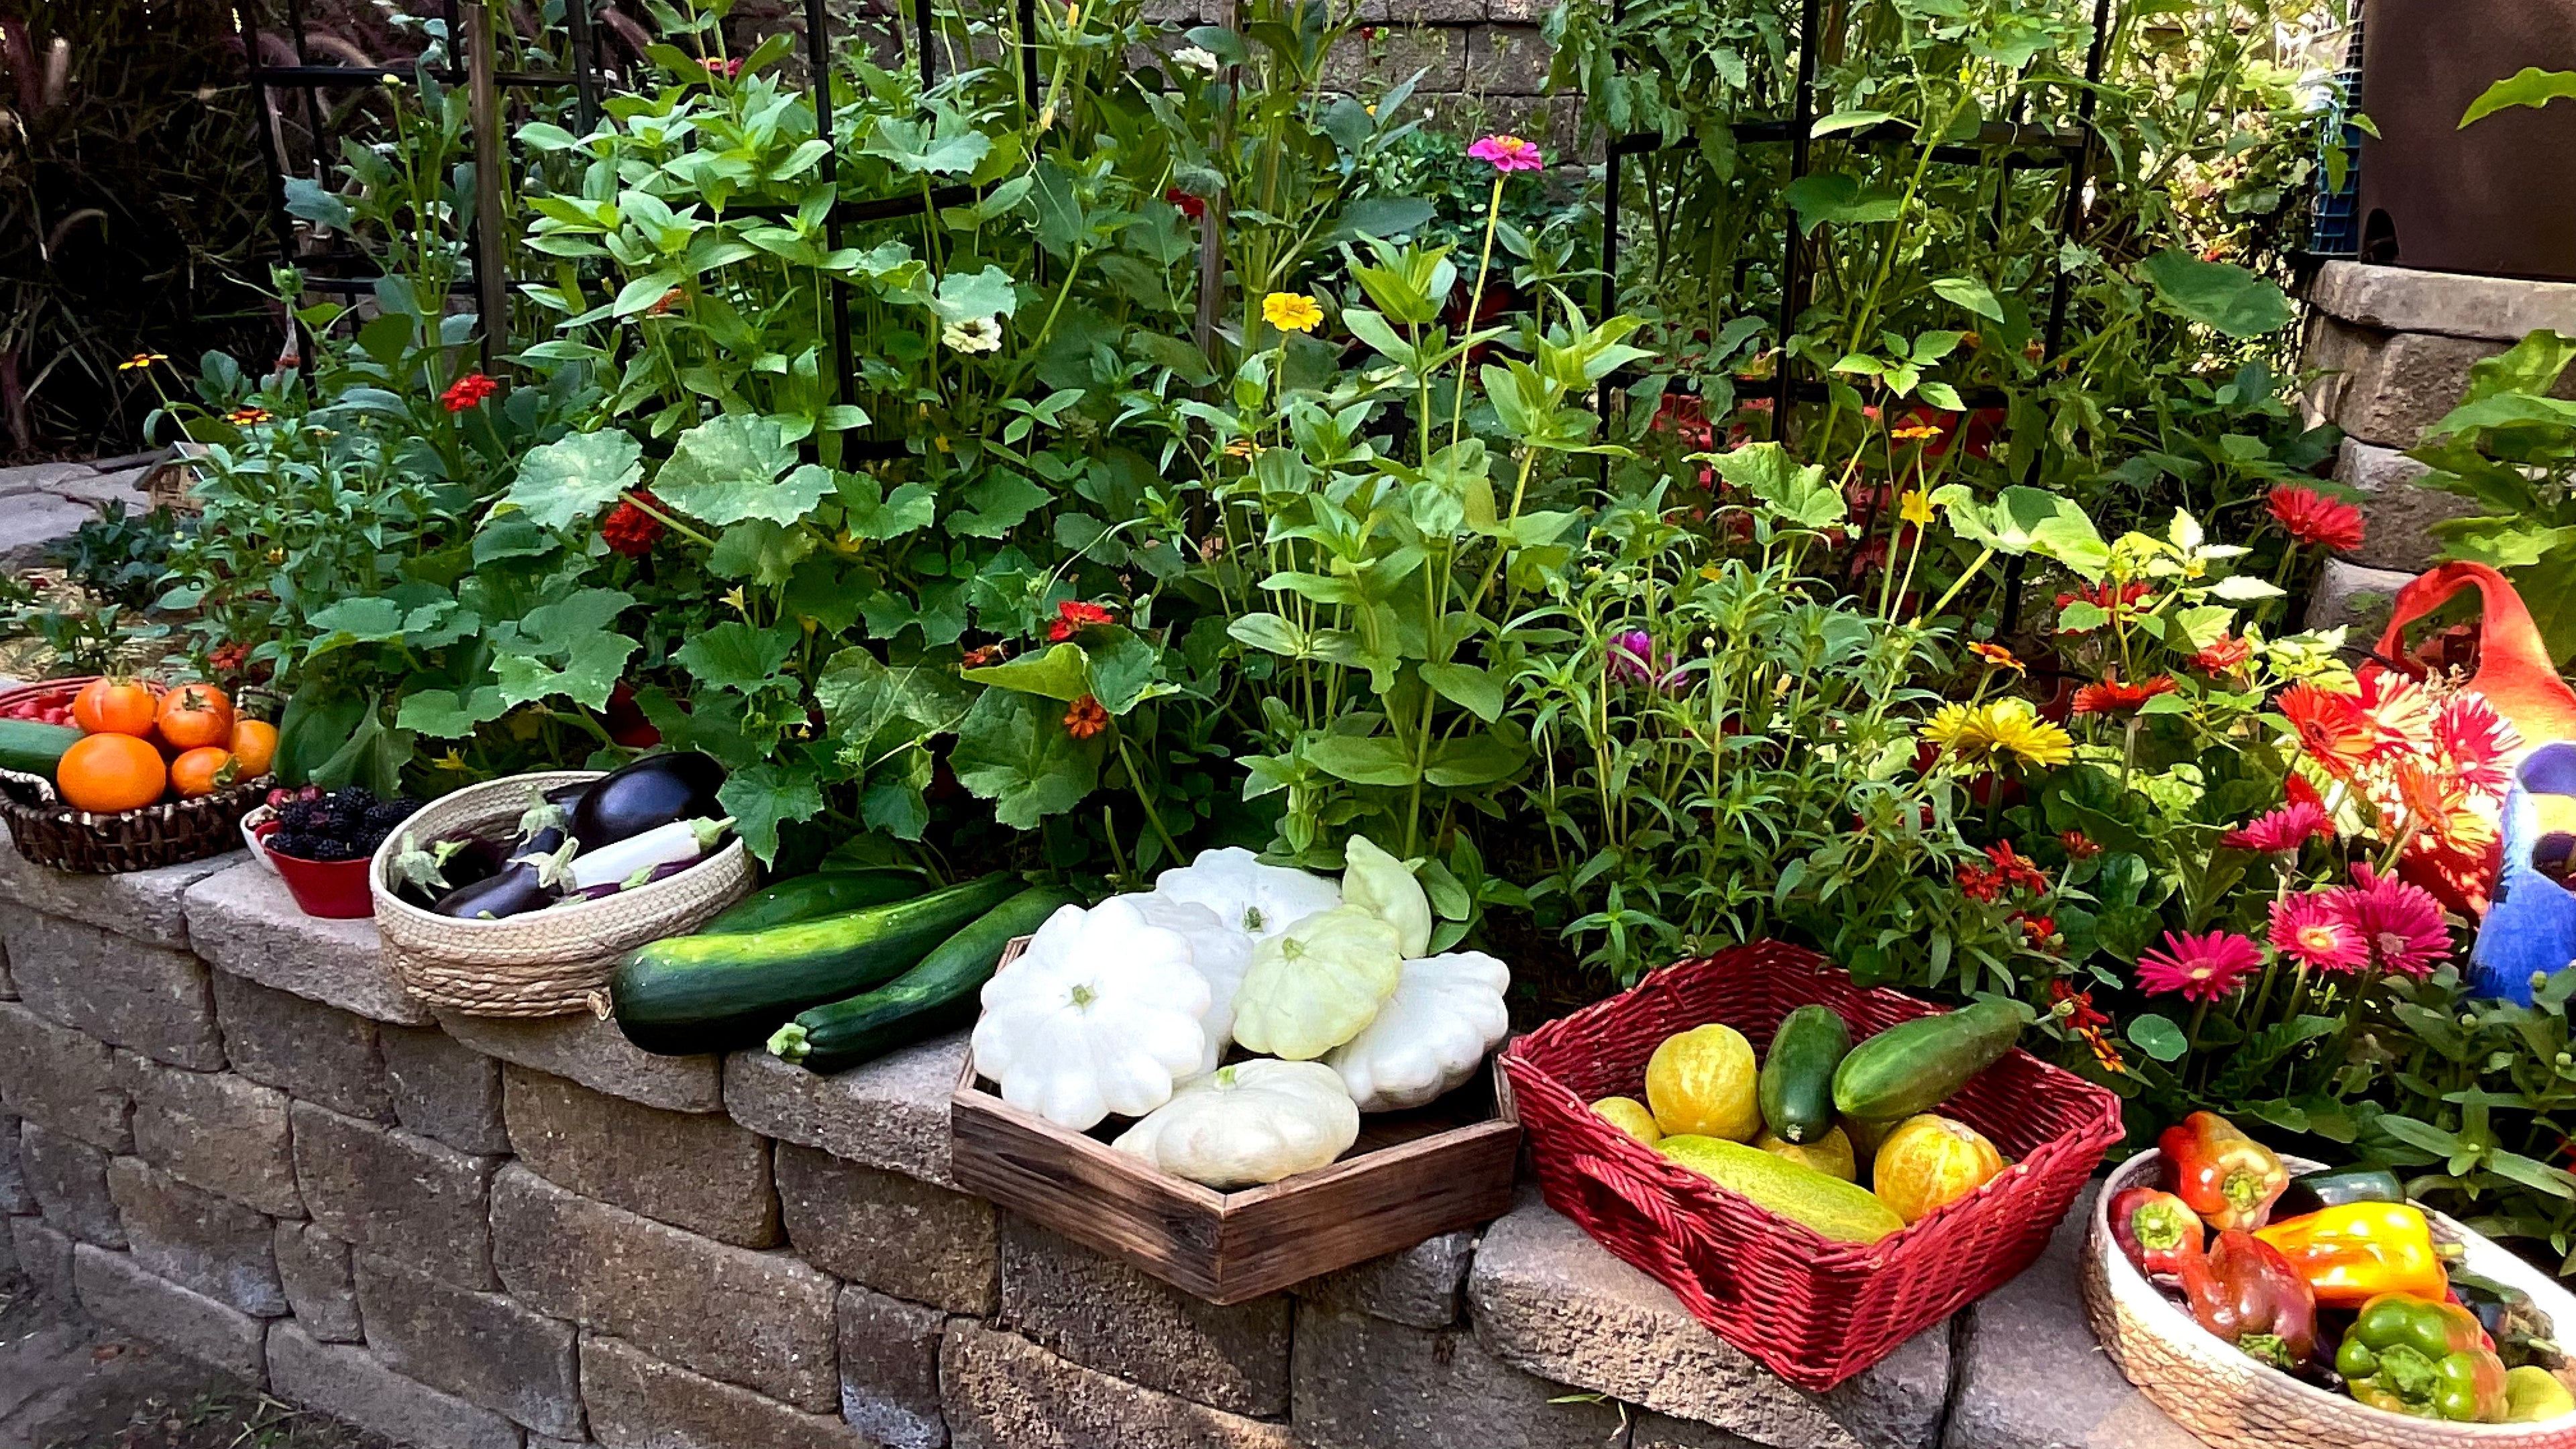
{"points": [[1073, 615], [2310, 517], [2282, 831], [2474, 743], [2400, 925], [2316, 930], [2202, 968], [2113, 697], [2332, 727]]}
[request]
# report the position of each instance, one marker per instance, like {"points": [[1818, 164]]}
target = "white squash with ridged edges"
{"points": [[1446, 1013], [1220, 952], [1259, 900], [1100, 1014], [1253, 1122]]}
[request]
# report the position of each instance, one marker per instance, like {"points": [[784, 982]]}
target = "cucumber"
{"points": [[1833, 1208], [34, 747], [1915, 1065], [938, 995], [689, 994], [805, 897], [1797, 1086]]}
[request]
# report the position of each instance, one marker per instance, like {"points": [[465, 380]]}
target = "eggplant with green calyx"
{"points": [[642, 859], [422, 873], [542, 827], [646, 795], [531, 883]]}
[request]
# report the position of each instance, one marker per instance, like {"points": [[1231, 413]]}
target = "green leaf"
{"points": [[1014, 750], [1769, 473], [2423, 1136], [450, 714], [1849, 121], [2158, 1037], [1483, 758], [987, 293], [1273, 633], [1832, 196], [729, 469], [1122, 667], [1063, 672], [760, 551], [768, 795], [2530, 86], [1942, 395], [995, 505], [566, 647], [2220, 295], [574, 477], [1972, 294], [1475, 690], [1362, 759], [1384, 217], [734, 655], [2530, 1173], [872, 514], [2027, 520]]}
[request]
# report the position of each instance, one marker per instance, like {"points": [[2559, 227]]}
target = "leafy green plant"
{"points": [[2510, 447]]}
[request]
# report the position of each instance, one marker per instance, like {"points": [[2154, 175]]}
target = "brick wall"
{"points": [[223, 1126]]}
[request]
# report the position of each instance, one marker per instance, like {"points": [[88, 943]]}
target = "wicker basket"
{"points": [[545, 963], [1815, 1311], [2233, 1402], [49, 832]]}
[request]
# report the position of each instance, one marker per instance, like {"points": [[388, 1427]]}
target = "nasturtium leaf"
{"points": [[1063, 672], [1015, 751], [766, 796], [734, 655], [871, 513], [736, 467], [2158, 1037], [575, 476], [2220, 295]]}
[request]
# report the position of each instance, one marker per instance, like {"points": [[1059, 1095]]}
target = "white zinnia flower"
{"points": [[975, 334], [1196, 59]]}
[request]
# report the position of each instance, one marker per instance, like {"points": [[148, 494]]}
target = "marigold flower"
{"points": [[628, 529], [1086, 718], [1193, 207], [1997, 656], [2113, 697], [2316, 929], [1072, 616], [2400, 924], [1507, 154], [2226, 652], [1291, 312], [243, 417], [2310, 517], [140, 361], [2201, 968], [467, 391], [2282, 831]]}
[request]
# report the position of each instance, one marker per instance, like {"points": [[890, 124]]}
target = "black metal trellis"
{"points": [[484, 279], [2025, 147]]}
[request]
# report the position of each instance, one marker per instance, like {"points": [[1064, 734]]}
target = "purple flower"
{"points": [[1630, 656]]}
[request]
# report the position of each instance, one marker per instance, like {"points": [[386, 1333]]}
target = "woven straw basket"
{"points": [[49, 832], [545, 963], [2233, 1402]]}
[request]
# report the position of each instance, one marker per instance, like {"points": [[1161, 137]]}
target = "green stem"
{"points": [[1475, 307]]}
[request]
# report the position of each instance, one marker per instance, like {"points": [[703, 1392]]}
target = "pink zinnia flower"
{"points": [[2400, 925], [2316, 929], [1508, 153], [2282, 831], [2202, 968], [1630, 656]]}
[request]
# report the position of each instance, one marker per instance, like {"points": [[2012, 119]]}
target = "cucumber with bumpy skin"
{"points": [[938, 995], [689, 994]]}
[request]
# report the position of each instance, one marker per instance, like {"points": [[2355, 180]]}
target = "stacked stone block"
{"points": [[224, 1127]]}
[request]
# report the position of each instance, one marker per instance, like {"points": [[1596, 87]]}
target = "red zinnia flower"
{"points": [[2282, 831], [2079, 1012], [1072, 615], [2078, 845], [2310, 517], [1193, 207], [2316, 930], [1980, 884], [630, 530], [2400, 925], [2202, 968], [728, 67], [2113, 697], [1086, 718], [467, 391], [2040, 932], [2228, 651], [2017, 869]]}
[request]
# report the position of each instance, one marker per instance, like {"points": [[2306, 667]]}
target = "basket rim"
{"points": [[2123, 1281], [1700, 1195], [60, 813]]}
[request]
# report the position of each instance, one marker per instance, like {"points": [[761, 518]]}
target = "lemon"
{"points": [[1701, 1083], [1630, 1116], [1830, 1154]]}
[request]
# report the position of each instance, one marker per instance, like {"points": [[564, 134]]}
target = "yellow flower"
{"points": [[1998, 656], [140, 361], [1712, 573], [449, 761], [1291, 312], [1915, 507], [1915, 433], [1949, 728], [1986, 734], [733, 597]]}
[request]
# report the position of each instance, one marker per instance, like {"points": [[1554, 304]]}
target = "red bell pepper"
{"points": [[2228, 1178], [2156, 1229], [2244, 1291]]}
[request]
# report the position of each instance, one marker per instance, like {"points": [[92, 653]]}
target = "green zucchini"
{"points": [[805, 897], [689, 994], [938, 995], [1797, 1083], [1915, 1065], [34, 747], [2317, 1191]]}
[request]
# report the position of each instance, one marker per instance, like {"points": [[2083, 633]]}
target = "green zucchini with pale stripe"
{"points": [[939, 995]]}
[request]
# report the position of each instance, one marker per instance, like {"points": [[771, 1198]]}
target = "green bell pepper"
{"points": [[2411, 1355]]}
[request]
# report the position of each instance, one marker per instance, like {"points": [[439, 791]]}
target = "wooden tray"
{"points": [[1411, 1176]]}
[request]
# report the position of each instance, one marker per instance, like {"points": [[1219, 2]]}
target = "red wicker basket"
{"points": [[1816, 1312]]}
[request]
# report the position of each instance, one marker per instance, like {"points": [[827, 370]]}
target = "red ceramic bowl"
{"points": [[334, 890]]}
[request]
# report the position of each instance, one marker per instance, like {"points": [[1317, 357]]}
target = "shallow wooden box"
{"points": [[1411, 1176]]}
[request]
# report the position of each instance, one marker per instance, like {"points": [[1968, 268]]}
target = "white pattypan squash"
{"points": [[1380, 882], [1220, 952], [1100, 1014], [1314, 986], [1255, 1121], [1259, 900], [1446, 1013]]}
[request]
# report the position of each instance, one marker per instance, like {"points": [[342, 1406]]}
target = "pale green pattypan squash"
{"points": [[1446, 1013], [1313, 987], [1258, 900], [1379, 882], [1100, 1014], [1255, 1121], [1220, 952]]}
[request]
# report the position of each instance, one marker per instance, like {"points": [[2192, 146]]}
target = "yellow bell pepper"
{"points": [[2355, 1252]]}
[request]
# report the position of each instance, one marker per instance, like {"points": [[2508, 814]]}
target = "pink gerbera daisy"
{"points": [[2475, 743], [2400, 925], [2202, 968], [2282, 831], [2316, 929]]}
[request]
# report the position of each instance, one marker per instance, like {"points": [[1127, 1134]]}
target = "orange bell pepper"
{"points": [[2353, 1253]]}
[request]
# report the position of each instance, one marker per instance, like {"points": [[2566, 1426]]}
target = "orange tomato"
{"points": [[106, 773], [113, 706], [202, 771], [194, 716], [254, 744]]}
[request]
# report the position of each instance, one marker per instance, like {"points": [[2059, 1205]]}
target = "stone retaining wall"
{"points": [[223, 1126]]}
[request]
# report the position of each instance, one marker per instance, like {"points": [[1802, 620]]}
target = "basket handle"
{"points": [[1677, 1234]]}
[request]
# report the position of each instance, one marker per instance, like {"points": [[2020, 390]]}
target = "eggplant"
{"points": [[422, 874], [531, 883], [652, 792], [630, 862]]}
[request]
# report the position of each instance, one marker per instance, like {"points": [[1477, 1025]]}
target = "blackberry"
{"points": [[326, 848], [355, 795], [384, 815], [286, 842], [297, 816]]}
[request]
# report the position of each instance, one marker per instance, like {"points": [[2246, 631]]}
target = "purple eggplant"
{"points": [[531, 883], [422, 874], [652, 792]]}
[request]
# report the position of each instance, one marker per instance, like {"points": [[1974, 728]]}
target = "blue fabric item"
{"points": [[2531, 927]]}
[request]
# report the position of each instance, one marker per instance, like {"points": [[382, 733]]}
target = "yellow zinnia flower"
{"points": [[1291, 312]]}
